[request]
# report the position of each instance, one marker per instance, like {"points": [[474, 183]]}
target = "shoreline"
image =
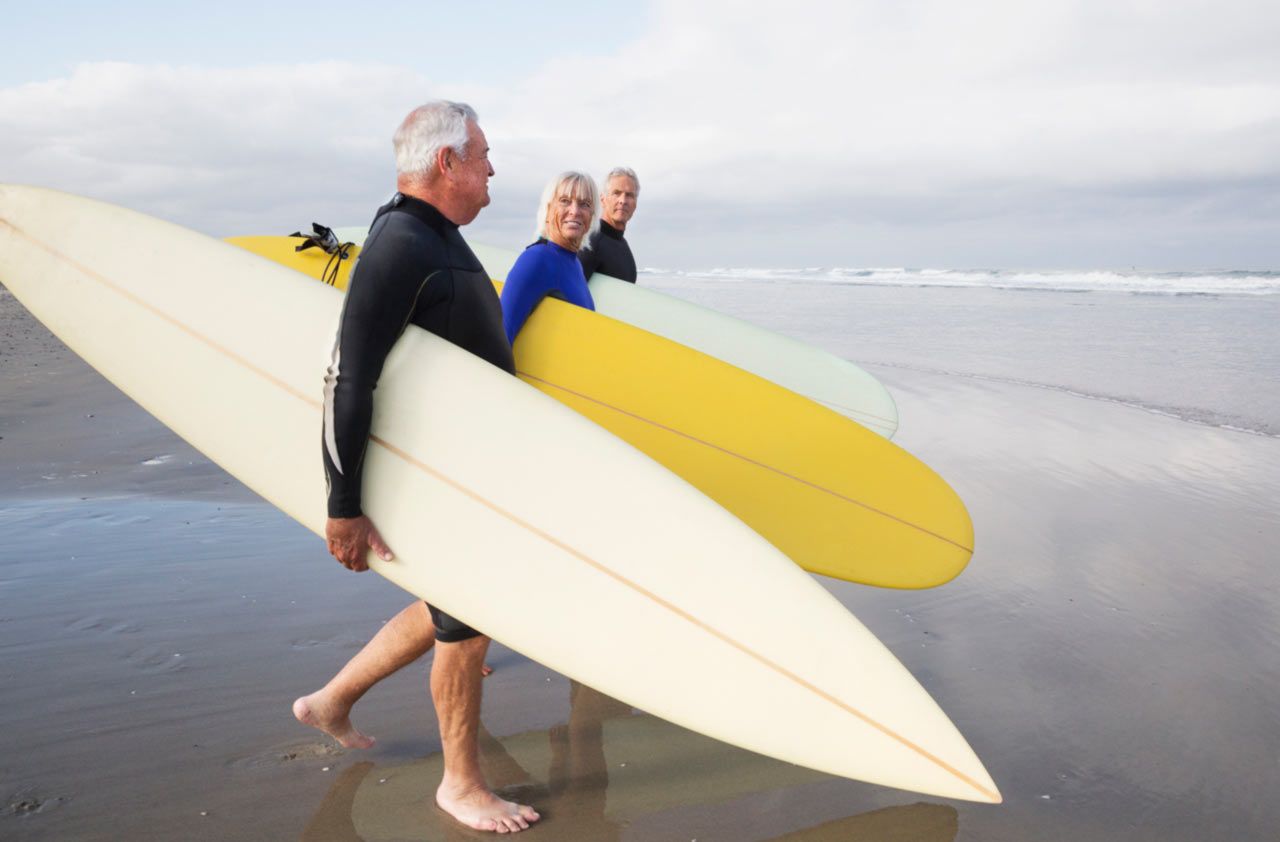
{"points": [[1106, 652], [1175, 414]]}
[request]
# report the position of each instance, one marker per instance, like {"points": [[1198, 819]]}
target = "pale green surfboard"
{"points": [[809, 371]]}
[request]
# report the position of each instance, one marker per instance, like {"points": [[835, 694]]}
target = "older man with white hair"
{"points": [[415, 268], [606, 250]]}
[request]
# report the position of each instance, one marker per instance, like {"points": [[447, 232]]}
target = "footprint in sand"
{"points": [[104, 625], [298, 751], [152, 661], [341, 642], [27, 802]]}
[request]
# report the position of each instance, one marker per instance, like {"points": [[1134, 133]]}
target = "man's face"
{"points": [[471, 176], [618, 203]]}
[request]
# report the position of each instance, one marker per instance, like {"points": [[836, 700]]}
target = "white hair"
{"points": [[428, 129], [576, 185], [617, 172]]}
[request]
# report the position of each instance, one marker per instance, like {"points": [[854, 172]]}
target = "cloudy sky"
{"points": [[921, 133]]}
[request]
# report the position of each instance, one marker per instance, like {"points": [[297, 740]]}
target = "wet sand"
{"points": [[1110, 653]]}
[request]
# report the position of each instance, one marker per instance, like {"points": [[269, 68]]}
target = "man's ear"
{"points": [[444, 159]]}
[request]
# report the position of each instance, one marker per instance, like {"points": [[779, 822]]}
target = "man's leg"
{"points": [[464, 794], [403, 640]]}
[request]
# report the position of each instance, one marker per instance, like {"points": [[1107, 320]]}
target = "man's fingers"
{"points": [[356, 557], [350, 556], [350, 539], [379, 546]]}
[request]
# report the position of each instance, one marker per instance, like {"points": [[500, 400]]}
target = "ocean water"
{"points": [[1109, 652], [1202, 347], [1225, 282]]}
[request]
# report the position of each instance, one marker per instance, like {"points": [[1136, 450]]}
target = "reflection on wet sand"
{"points": [[606, 768], [912, 823]]}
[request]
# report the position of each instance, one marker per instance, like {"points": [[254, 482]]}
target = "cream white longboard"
{"points": [[504, 507], [818, 375]]}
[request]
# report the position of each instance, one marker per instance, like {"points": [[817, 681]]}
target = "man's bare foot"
{"points": [[480, 809], [312, 710]]}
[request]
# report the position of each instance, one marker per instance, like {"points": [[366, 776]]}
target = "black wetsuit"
{"points": [[607, 252], [415, 268]]}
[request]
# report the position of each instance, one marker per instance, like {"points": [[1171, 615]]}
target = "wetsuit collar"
{"points": [[554, 245], [609, 230], [419, 209]]}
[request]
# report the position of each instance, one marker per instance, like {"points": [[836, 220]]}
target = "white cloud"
{"points": [[924, 96], [994, 132], [217, 149]]}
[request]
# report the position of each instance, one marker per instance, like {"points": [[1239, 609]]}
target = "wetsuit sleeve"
{"points": [[576, 289], [527, 283], [383, 293], [590, 257]]}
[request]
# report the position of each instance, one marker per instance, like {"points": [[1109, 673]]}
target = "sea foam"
{"points": [[1224, 282]]}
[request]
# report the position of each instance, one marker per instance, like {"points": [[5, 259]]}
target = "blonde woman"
{"points": [[550, 266]]}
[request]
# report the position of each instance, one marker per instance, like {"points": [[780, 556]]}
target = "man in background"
{"points": [[606, 251]]}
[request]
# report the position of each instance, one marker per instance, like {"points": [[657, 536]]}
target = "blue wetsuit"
{"points": [[542, 269]]}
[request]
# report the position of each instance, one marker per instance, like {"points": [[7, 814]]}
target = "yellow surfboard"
{"points": [[836, 498]]}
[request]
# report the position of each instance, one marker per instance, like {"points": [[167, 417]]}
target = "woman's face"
{"points": [[568, 220]]}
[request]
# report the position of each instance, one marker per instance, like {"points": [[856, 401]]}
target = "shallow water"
{"points": [[152, 657], [1109, 652], [1119, 620], [1212, 359]]}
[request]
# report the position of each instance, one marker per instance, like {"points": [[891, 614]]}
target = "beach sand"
{"points": [[1110, 653]]}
